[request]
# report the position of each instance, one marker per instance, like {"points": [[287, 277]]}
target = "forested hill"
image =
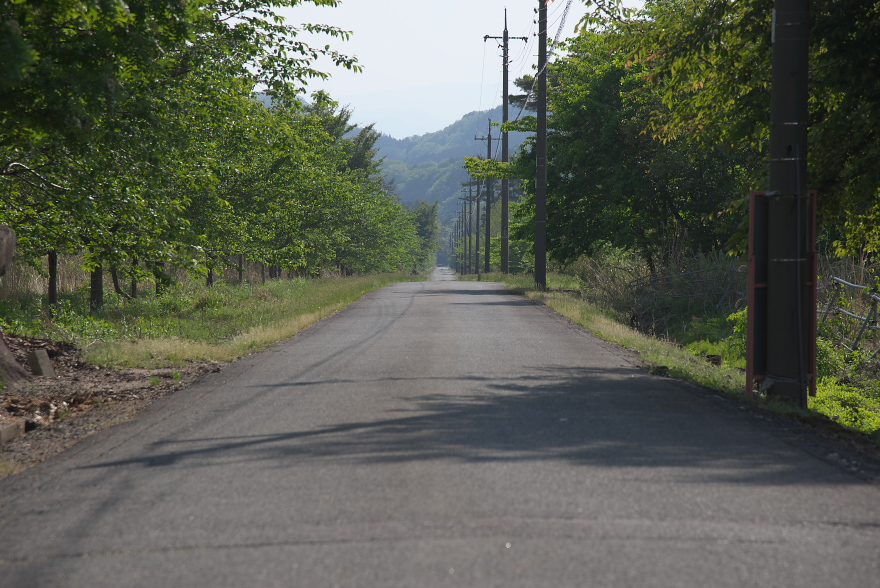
{"points": [[456, 140], [429, 167]]}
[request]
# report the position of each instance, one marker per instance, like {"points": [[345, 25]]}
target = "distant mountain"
{"points": [[429, 167], [455, 141]]}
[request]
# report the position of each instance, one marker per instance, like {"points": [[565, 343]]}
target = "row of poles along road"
{"points": [[470, 257], [463, 247], [781, 353]]}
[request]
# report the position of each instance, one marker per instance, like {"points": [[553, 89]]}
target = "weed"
{"points": [[7, 468], [847, 405]]}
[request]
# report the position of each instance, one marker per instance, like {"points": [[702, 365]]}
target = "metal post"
{"points": [[473, 250], [467, 238]]}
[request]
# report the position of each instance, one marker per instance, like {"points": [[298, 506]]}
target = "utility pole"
{"points": [[488, 199], [453, 256], [472, 257], [465, 244], [476, 202], [541, 154], [505, 148], [466, 222], [782, 273]]}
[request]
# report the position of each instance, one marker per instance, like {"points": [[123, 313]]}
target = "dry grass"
{"points": [[188, 322], [680, 362], [175, 351]]}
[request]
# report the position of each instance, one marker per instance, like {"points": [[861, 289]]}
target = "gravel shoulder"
{"points": [[81, 400]]}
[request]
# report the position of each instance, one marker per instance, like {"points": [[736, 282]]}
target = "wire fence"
{"points": [[659, 304], [849, 315]]}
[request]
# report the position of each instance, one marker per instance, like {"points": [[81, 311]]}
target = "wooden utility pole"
{"points": [[476, 221], [541, 154], [505, 147], [466, 222], [488, 256]]}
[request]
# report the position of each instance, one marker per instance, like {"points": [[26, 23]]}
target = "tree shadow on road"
{"points": [[619, 418]]}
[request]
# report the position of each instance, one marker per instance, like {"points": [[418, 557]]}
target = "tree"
{"points": [[709, 61], [428, 230], [609, 183], [103, 153]]}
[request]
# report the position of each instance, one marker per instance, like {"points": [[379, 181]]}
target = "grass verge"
{"points": [[192, 322]]}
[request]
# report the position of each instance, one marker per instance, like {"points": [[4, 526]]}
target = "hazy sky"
{"points": [[425, 62]]}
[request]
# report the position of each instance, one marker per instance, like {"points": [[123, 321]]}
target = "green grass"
{"points": [[190, 321], [847, 405]]}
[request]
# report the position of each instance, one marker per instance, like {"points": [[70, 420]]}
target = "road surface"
{"points": [[441, 433]]}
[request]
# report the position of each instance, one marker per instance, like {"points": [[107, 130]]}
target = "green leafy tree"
{"points": [[709, 61], [608, 182], [428, 229], [116, 113]]}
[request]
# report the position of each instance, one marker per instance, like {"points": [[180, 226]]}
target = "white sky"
{"points": [[425, 62]]}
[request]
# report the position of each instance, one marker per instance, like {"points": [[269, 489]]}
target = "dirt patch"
{"points": [[81, 400]]}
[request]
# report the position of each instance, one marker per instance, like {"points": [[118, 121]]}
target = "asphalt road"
{"points": [[440, 434]]}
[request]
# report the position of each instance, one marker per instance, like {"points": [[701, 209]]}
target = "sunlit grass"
{"points": [[681, 363], [222, 323]]}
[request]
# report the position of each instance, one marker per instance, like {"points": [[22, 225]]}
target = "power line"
{"points": [[549, 55]]}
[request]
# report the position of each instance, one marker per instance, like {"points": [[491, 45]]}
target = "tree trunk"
{"points": [[134, 281], [53, 278], [163, 280], [117, 287], [11, 372], [96, 291]]}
